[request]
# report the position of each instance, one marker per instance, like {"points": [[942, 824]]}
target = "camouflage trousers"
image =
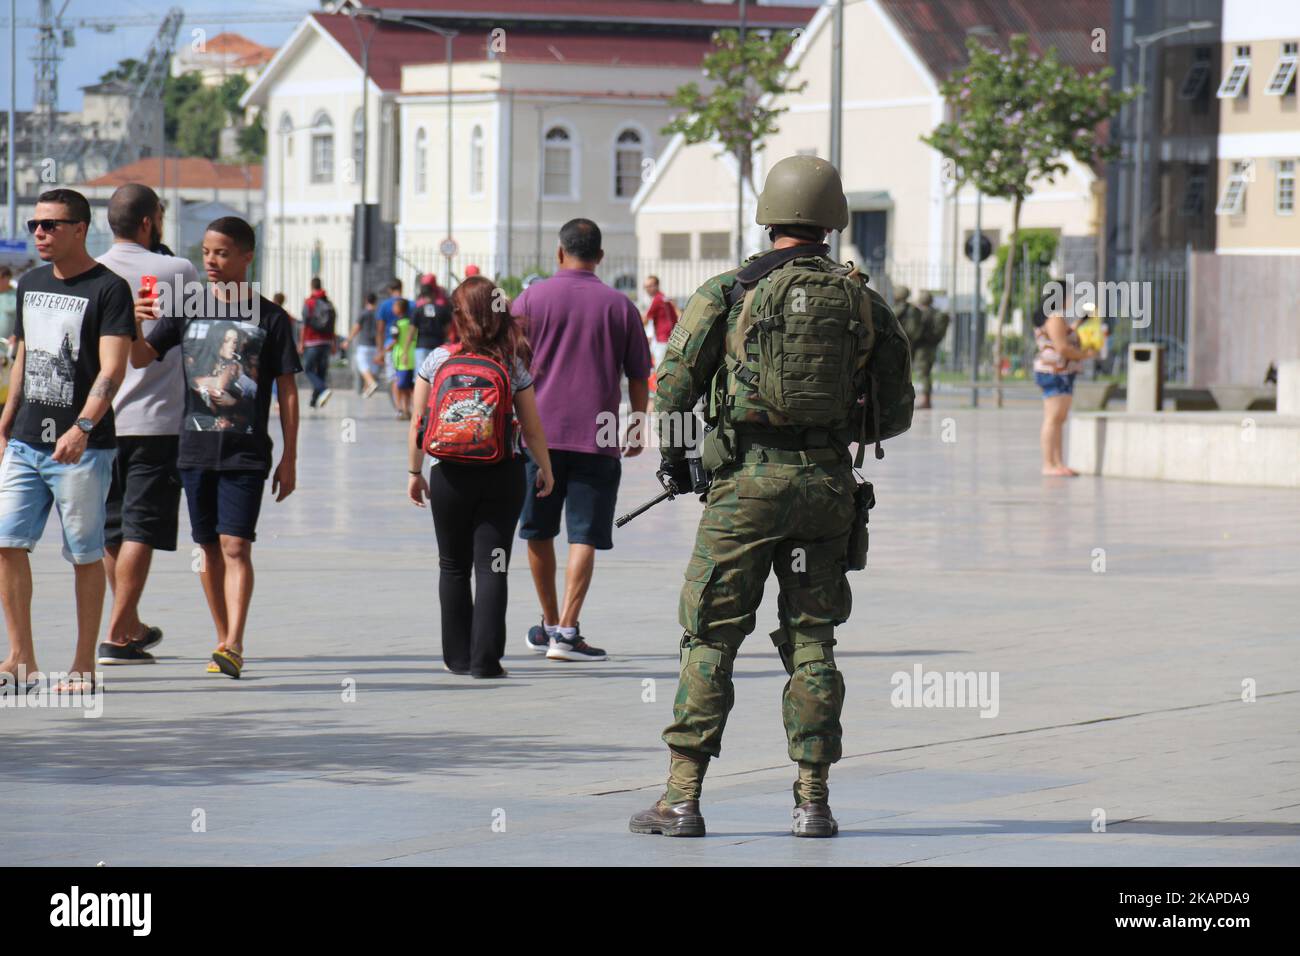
{"points": [[922, 364], [774, 510]]}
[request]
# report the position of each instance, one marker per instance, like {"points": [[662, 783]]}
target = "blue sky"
{"points": [[96, 52]]}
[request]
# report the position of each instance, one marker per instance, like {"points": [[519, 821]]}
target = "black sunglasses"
{"points": [[48, 225]]}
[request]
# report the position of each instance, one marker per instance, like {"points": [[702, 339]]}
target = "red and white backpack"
{"points": [[469, 418]]}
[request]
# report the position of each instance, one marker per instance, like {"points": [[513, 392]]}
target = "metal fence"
{"points": [[1154, 309]]}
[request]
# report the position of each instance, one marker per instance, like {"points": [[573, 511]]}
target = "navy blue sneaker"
{"points": [[573, 649], [537, 640]]}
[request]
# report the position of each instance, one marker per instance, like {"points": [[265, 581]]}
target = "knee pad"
{"points": [[805, 646]]}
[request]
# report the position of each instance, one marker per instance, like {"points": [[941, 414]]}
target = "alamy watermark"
{"points": [[54, 690], [1079, 300], [923, 688], [216, 300], [648, 429]]}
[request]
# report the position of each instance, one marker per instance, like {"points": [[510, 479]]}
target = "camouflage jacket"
{"points": [[697, 349]]}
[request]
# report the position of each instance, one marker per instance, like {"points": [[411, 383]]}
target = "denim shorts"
{"points": [[31, 481], [1055, 384], [586, 491], [365, 357]]}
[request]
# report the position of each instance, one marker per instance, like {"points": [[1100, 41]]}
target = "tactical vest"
{"points": [[814, 359]]}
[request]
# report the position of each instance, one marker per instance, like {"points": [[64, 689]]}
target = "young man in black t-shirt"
{"points": [[73, 327], [231, 354]]}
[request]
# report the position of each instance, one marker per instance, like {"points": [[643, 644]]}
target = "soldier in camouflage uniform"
{"points": [[784, 501], [934, 326], [908, 315]]}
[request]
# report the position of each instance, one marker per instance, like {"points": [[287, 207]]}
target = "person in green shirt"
{"points": [[403, 355]]}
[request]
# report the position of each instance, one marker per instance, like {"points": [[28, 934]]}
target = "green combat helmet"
{"points": [[925, 300], [803, 191], [901, 294]]}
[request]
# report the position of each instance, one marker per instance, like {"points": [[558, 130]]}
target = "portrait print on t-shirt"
{"points": [[52, 331], [222, 359]]}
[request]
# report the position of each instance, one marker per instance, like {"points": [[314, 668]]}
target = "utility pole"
{"points": [[978, 347], [740, 167], [837, 102], [449, 36], [11, 179]]}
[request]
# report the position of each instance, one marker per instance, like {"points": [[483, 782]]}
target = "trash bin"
{"points": [[1146, 377]]}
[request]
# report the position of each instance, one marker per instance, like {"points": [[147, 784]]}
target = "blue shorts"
{"points": [[223, 502], [405, 379], [31, 481], [1055, 384], [586, 490]]}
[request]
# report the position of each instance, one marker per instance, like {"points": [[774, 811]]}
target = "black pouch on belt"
{"points": [[864, 499]]}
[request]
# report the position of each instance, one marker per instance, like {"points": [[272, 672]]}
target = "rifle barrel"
{"points": [[662, 496]]}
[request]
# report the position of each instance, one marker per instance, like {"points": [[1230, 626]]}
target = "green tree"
{"points": [[252, 141], [201, 119], [1016, 116], [1037, 249], [232, 88], [130, 69], [733, 111], [176, 92]]}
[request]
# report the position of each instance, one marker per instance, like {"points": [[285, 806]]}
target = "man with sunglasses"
{"points": [[74, 326]]}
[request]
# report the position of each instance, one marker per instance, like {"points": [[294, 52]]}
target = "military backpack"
{"points": [[814, 350]]}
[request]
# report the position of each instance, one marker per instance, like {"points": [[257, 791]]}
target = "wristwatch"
{"points": [[86, 425]]}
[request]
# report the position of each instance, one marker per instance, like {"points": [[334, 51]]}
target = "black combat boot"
{"points": [[814, 820], [670, 819]]}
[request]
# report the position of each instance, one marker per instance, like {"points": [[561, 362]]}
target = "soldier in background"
{"points": [[909, 316], [933, 328], [783, 492]]}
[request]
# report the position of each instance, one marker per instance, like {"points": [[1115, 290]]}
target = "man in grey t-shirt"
{"points": [[144, 499]]}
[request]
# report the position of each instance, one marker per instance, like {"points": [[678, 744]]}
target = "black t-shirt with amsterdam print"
{"points": [[61, 322], [231, 356]]}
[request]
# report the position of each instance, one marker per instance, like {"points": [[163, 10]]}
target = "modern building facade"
{"points": [[1259, 130]]}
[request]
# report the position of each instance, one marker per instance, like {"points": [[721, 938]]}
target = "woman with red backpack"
{"points": [[470, 394]]}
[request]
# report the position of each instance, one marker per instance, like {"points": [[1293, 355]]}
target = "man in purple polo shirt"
{"points": [[585, 338]]}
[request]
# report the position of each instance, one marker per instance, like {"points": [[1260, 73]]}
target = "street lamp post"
{"points": [[385, 16], [1142, 43], [284, 133], [362, 229]]}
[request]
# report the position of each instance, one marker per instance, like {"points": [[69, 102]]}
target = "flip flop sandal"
{"points": [[228, 662], [8, 680], [76, 685]]}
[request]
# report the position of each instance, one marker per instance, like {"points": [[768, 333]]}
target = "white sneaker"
{"points": [[324, 397]]}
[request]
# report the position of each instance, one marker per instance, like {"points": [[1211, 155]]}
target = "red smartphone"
{"points": [[148, 284]]}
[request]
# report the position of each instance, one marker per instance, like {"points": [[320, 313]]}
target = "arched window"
{"points": [[476, 162], [285, 128], [628, 152], [358, 143], [322, 148], [421, 162], [557, 174]]}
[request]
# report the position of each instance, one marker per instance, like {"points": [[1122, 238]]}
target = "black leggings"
{"points": [[475, 510]]}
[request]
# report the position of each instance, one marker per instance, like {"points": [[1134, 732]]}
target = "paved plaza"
{"points": [[1122, 620]]}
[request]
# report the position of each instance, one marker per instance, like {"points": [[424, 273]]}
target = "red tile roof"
{"points": [[396, 46], [186, 172], [690, 12], [936, 29], [246, 51]]}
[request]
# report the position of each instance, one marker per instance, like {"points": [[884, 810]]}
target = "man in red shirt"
{"points": [[318, 344], [663, 314]]}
